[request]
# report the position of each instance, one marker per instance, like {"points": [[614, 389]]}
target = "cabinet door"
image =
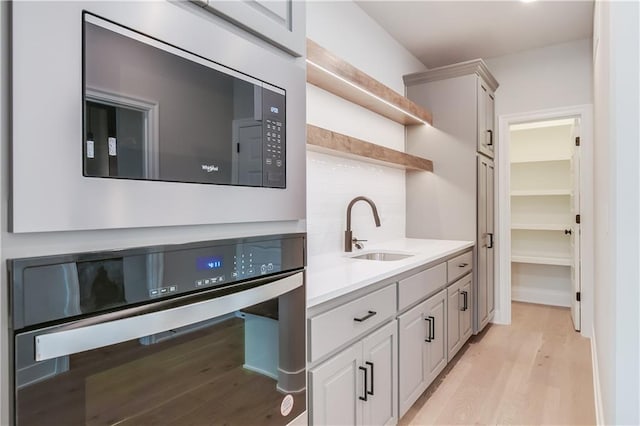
{"points": [[335, 387], [412, 355], [490, 247], [486, 111], [454, 305], [467, 308], [281, 23], [485, 289], [437, 348], [380, 356]]}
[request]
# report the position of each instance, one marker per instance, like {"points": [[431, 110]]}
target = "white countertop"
{"points": [[335, 274]]}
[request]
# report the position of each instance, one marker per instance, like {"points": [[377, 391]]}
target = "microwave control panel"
{"points": [[274, 139]]}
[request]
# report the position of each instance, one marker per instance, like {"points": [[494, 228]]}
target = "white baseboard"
{"points": [[596, 380], [541, 296]]}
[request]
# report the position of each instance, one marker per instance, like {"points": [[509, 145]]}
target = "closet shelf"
{"points": [[541, 260], [539, 192], [324, 140], [337, 76], [542, 160], [540, 226]]}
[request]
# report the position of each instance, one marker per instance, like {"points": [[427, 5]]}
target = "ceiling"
{"points": [[446, 32]]}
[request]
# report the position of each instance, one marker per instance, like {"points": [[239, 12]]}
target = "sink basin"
{"points": [[382, 255]]}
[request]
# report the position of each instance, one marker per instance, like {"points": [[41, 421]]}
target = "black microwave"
{"points": [[153, 111]]}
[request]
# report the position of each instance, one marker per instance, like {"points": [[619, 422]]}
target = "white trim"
{"points": [[151, 137], [585, 113], [541, 296], [597, 391]]}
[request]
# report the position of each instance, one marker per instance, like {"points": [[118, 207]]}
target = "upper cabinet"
{"points": [[482, 93], [486, 117], [281, 22]]}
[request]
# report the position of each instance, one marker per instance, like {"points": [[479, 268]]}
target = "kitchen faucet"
{"points": [[349, 241]]}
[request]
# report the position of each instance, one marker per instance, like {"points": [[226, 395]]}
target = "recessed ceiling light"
{"points": [[528, 1]]}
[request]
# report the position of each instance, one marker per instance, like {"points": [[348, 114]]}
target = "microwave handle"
{"points": [[68, 342]]}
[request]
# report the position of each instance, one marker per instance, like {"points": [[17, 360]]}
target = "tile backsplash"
{"points": [[332, 182]]}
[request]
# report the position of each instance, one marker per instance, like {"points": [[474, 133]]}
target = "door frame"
{"points": [[503, 209]]}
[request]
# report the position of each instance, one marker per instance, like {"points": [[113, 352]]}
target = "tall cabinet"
{"points": [[457, 200]]}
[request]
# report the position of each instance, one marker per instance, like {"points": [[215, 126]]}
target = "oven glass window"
{"points": [[246, 367]]}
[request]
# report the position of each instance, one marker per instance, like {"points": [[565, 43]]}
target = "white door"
{"points": [[380, 355], [335, 388], [413, 337], [575, 229]]}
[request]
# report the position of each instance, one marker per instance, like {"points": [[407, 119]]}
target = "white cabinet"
{"points": [[459, 311], [358, 386], [456, 202], [485, 284], [281, 23], [422, 348], [486, 118]]}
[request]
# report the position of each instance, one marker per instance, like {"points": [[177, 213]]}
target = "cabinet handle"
{"points": [[490, 137], [465, 301], [364, 398], [433, 328], [490, 240], [463, 265], [366, 317], [428, 339], [567, 232], [370, 364]]}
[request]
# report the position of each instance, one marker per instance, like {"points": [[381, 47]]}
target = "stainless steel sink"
{"points": [[382, 255]]}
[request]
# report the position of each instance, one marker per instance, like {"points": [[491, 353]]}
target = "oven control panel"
{"points": [[54, 287]]}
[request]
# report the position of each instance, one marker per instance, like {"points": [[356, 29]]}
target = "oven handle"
{"points": [[68, 342]]}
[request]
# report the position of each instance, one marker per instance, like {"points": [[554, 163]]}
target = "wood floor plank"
{"points": [[535, 371]]}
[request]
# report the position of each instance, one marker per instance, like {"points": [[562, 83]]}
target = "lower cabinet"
{"points": [[358, 386], [459, 302], [422, 348]]}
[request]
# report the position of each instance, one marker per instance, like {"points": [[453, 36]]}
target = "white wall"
{"points": [[549, 77], [617, 113], [344, 29]]}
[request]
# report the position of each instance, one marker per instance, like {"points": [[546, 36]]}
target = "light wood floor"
{"points": [[535, 371]]}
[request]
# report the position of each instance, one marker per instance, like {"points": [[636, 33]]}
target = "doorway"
{"points": [[545, 245]]}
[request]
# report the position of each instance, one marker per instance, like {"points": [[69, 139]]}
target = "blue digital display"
{"points": [[208, 263]]}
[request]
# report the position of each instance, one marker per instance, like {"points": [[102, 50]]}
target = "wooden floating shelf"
{"points": [[324, 140], [337, 76]]}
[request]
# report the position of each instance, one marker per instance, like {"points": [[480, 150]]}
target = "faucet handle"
{"points": [[358, 243]]}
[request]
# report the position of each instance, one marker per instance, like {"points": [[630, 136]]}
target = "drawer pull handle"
{"points": [[370, 364], [463, 265], [364, 398], [366, 317]]}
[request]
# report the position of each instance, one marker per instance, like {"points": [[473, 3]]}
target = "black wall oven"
{"points": [[194, 334]]}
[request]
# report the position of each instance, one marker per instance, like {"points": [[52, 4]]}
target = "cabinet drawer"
{"points": [[460, 265], [420, 285], [336, 327]]}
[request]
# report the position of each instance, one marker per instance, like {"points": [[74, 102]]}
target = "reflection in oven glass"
{"points": [[223, 370]]}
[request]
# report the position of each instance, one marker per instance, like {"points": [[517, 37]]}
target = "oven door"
{"points": [[235, 359]]}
